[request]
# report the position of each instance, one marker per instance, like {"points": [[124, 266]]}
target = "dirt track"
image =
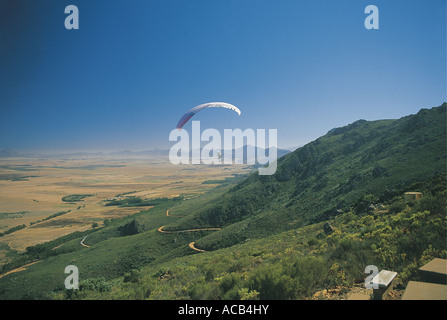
{"points": [[82, 242], [171, 215], [191, 245], [186, 230], [19, 268]]}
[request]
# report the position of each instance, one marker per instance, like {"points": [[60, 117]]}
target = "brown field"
{"points": [[32, 189]]}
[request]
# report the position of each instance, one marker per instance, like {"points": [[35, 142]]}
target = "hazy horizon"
{"points": [[105, 152], [159, 148]]}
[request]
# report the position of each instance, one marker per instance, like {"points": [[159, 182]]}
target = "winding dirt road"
{"points": [[191, 245], [186, 230], [82, 242]]}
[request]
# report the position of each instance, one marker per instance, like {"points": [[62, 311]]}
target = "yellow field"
{"points": [[32, 189]]}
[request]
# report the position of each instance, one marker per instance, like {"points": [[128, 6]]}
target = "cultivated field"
{"points": [[31, 191]]}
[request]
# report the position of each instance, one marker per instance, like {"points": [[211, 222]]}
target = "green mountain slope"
{"points": [[324, 178], [338, 178]]}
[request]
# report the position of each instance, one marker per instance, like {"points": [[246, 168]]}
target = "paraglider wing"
{"points": [[184, 119], [194, 110]]}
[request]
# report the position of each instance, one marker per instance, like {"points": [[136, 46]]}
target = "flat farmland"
{"points": [[55, 197]]}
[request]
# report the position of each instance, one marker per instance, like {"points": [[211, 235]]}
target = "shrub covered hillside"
{"points": [[274, 244], [333, 207], [323, 178], [395, 235]]}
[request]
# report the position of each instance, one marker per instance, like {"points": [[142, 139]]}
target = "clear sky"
{"points": [[123, 80]]}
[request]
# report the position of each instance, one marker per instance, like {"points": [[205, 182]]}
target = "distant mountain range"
{"points": [[11, 153]]}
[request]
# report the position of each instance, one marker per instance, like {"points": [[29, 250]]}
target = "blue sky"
{"points": [[134, 68]]}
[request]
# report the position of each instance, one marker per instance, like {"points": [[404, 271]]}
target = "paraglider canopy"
{"points": [[194, 110]]}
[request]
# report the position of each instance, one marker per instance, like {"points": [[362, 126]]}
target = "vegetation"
{"points": [[214, 181], [326, 177], [75, 197], [223, 181], [333, 207], [13, 229], [54, 215], [22, 226], [12, 215], [15, 177], [138, 202], [297, 263]]}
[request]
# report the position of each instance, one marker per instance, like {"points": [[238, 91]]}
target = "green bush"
{"points": [[132, 276]]}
